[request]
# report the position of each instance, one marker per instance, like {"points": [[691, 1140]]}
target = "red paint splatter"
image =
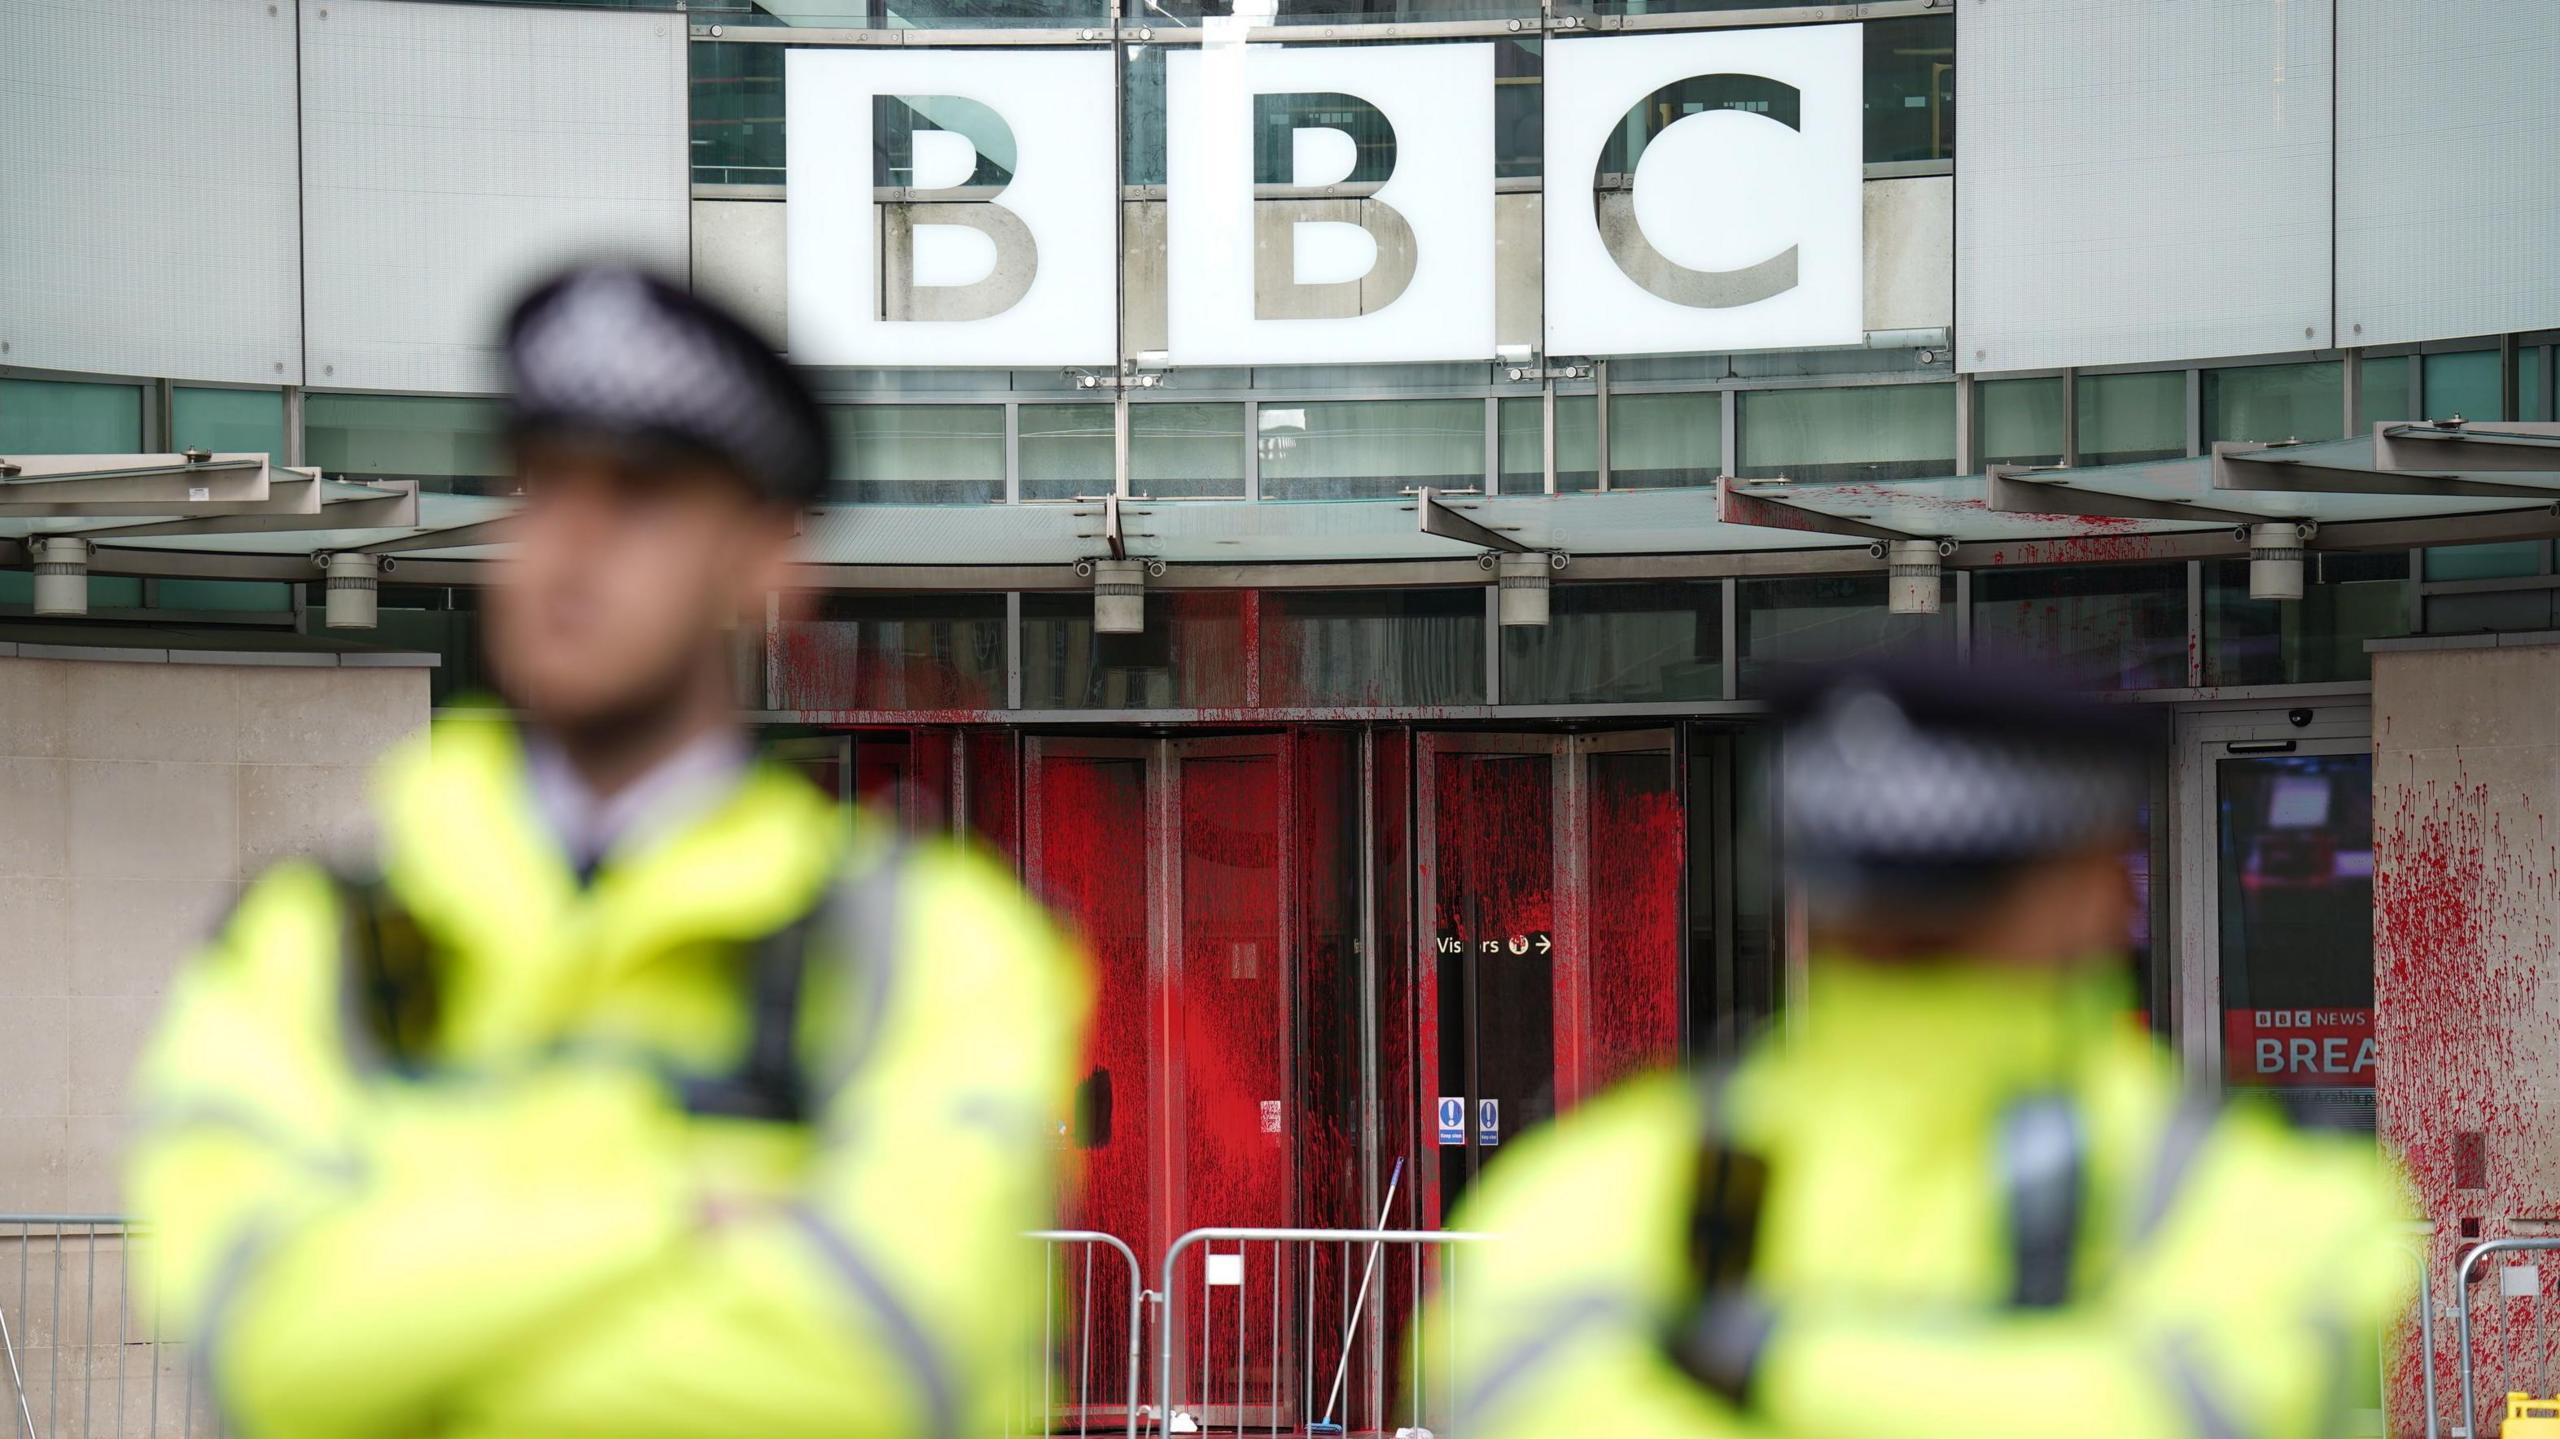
{"points": [[1638, 857]]}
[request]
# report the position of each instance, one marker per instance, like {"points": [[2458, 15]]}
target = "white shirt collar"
{"points": [[677, 788]]}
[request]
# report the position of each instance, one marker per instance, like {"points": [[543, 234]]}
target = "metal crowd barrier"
{"points": [[80, 1363], [2515, 1281], [1316, 1333], [1073, 1351]]}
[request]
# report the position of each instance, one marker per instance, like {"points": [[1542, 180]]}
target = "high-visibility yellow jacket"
{"points": [[475, 1150], [1989, 1210]]}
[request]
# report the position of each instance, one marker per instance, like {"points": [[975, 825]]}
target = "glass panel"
{"points": [[2464, 384], [917, 454], [893, 652], [223, 596], [2275, 402], [1191, 655], [1519, 112], [2506, 610], [2532, 397], [1187, 451], [2348, 599], [1371, 647], [1820, 619], [1496, 1008], [2129, 418], [1524, 458], [2295, 880], [1370, 449], [440, 621], [1911, 89], [445, 442], [2503, 560], [69, 417], [1661, 441], [1871, 432], [1605, 644], [1065, 451], [1634, 835], [228, 421], [899, 14], [2019, 422], [2100, 626], [736, 126], [106, 592], [2386, 392]]}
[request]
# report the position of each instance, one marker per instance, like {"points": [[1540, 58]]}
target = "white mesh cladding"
{"points": [[2448, 194], [147, 204], [454, 153], [2140, 181]]}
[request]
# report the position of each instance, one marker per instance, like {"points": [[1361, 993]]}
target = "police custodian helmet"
{"points": [[615, 353], [1927, 785]]}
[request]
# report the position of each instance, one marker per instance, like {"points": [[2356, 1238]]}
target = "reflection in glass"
{"points": [[893, 652], [1868, 432], [1615, 644], [2019, 422], [228, 421], [2125, 419], [2465, 384], [2275, 402], [889, 14], [2103, 627], [1064, 451], [1911, 89], [1577, 445], [1371, 647], [1369, 449], [1186, 451], [446, 442], [1662, 441], [736, 113], [917, 454], [2499, 560], [2350, 598], [1822, 619], [1191, 655], [2385, 396], [67, 417], [2295, 878]]}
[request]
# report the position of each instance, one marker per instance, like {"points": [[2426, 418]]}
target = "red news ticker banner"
{"points": [[2326, 1047]]}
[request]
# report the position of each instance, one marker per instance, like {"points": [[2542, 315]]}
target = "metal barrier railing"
{"points": [[1305, 1361], [1068, 1350], [80, 1363], [2462, 1281]]}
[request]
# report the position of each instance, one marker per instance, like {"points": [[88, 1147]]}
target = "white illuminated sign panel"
{"points": [[1745, 226], [1404, 272], [1001, 248]]}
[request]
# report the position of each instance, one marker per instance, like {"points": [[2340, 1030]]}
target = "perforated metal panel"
{"points": [[2141, 182], [2448, 200], [452, 153], [147, 200]]}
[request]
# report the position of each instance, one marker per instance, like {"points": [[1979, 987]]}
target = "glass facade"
{"points": [[1064, 451], [1192, 654], [2347, 598], [1619, 644], [1664, 441], [228, 421], [2129, 418], [1868, 432], [2104, 627], [892, 652], [2386, 397], [918, 454], [1334, 648], [2019, 422], [1577, 444], [1823, 619], [2466, 383], [2275, 402], [69, 417], [455, 444], [1369, 449], [1187, 451]]}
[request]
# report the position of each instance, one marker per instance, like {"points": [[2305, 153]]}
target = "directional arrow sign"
{"points": [[1546, 945]]}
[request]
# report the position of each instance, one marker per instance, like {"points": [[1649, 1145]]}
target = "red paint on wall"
{"points": [[1637, 865], [994, 762]]}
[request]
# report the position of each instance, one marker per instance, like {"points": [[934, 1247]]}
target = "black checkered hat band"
{"points": [[1863, 784], [618, 352]]}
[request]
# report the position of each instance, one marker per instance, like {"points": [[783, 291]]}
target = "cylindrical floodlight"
{"points": [[354, 590], [62, 574], [1522, 580], [1911, 577], [2275, 560], [1119, 597]]}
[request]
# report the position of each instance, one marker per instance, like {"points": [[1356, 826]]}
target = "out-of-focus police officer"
{"points": [[1967, 1199], [620, 1087]]}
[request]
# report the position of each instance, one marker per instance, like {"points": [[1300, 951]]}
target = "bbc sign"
{"points": [[1740, 229]]}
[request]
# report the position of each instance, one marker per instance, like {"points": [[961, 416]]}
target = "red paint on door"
{"points": [[1636, 867]]}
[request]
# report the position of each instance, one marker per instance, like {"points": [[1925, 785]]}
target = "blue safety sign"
{"points": [[1488, 1121], [1453, 1119]]}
